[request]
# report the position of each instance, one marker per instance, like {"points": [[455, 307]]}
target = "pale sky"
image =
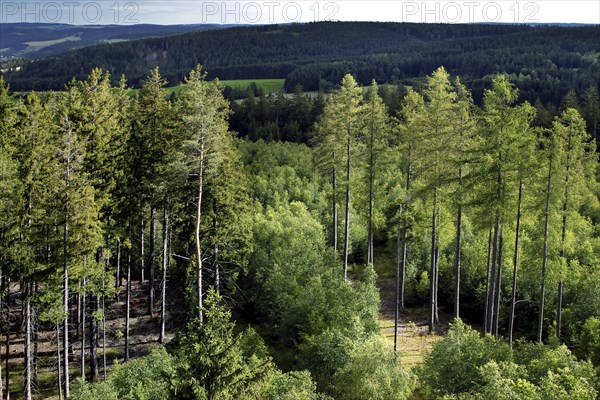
{"points": [[168, 12]]}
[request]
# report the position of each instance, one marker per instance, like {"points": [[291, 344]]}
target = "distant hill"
{"points": [[545, 61], [37, 40]]}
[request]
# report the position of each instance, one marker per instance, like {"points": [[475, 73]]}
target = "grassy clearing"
{"points": [[267, 85], [35, 46]]}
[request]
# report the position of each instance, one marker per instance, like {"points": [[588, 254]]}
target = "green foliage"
{"points": [[147, 378], [589, 341], [372, 371], [212, 362], [293, 385], [464, 365]]}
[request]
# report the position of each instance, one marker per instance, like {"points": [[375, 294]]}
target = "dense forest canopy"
{"points": [[545, 61], [128, 221]]}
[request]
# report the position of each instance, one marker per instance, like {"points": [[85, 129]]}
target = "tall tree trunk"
{"points": [[498, 283], [66, 304], [347, 211], [119, 277], [82, 296], [544, 256], [27, 342], [432, 270], [371, 202], [93, 337], [487, 282], [58, 359], [142, 249], [458, 251], [513, 296], [335, 209], [35, 358], [7, 338], [399, 281], [165, 258], [437, 270], [216, 250], [562, 243], [492, 286], [103, 303], [151, 264], [128, 304], [197, 231], [401, 274]]}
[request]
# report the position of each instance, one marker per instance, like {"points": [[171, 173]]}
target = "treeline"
{"points": [[479, 211], [546, 61]]}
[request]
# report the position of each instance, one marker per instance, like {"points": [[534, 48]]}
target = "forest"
{"points": [[545, 61], [195, 247]]}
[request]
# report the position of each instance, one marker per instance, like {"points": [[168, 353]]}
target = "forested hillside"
{"points": [[37, 40], [545, 61], [150, 251]]}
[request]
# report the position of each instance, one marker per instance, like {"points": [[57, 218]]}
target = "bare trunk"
{"points": [[142, 249], [104, 319], [432, 270], [492, 286], [7, 339], [487, 283], [562, 241], [119, 277], [216, 250], [93, 337], [335, 210], [513, 296], [197, 231], [35, 331], [347, 211], [152, 260], [399, 281], [165, 258], [82, 327], [437, 273], [128, 304], [498, 284], [27, 342], [58, 359], [66, 306], [544, 256], [371, 201], [457, 259]]}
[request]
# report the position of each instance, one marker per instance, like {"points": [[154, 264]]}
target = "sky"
{"points": [[168, 12]]}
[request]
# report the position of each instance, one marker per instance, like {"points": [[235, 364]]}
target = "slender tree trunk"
{"points": [[119, 277], [93, 337], [544, 256], [7, 339], [27, 342], [82, 296], [58, 359], [487, 283], [399, 281], [371, 202], [335, 209], [128, 304], [216, 250], [513, 296], [437, 271], [458, 251], [66, 304], [142, 249], [104, 318], [152, 260], [347, 211], [492, 285], [197, 231], [498, 283], [562, 243], [165, 258], [432, 270], [404, 241]]}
